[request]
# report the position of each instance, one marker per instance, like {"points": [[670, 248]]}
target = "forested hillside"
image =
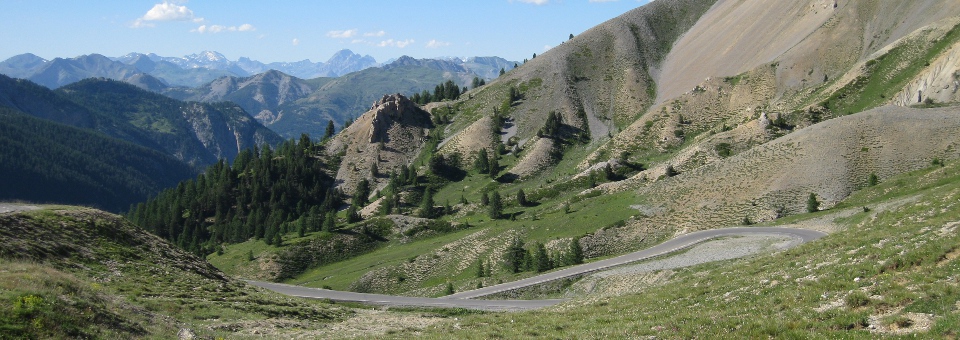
{"points": [[264, 193], [42, 161]]}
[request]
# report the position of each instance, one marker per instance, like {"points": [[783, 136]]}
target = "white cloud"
{"points": [[604, 0], [375, 34], [166, 11], [358, 41], [395, 43], [547, 47], [433, 43], [220, 28], [169, 12], [535, 2], [342, 34], [296, 41]]}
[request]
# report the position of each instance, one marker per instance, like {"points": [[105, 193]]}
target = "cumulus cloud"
{"points": [[220, 28], [342, 34], [375, 34], [166, 11], [395, 43], [433, 43], [296, 41], [535, 2]]}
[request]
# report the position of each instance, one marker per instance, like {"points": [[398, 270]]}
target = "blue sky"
{"points": [[279, 30]]}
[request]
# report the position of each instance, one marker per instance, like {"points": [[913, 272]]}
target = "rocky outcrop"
{"points": [[393, 109], [390, 135]]}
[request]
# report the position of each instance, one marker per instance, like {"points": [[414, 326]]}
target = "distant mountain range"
{"points": [[291, 106], [198, 134], [289, 98], [201, 68]]}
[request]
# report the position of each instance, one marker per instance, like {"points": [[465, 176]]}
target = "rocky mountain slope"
{"points": [[664, 113]]}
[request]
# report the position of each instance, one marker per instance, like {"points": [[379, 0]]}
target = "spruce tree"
{"points": [[482, 163], [426, 204], [328, 133], [352, 214], [496, 206], [330, 221], [541, 261], [513, 258], [521, 198], [575, 254]]}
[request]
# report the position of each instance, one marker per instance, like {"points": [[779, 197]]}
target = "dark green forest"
{"points": [[46, 162], [263, 194]]}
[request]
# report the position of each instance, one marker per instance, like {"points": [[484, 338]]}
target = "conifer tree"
{"points": [[495, 207], [521, 198], [328, 133], [426, 204], [813, 205], [513, 258]]}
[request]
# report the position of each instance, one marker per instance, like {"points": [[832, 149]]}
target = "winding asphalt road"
{"points": [[463, 299]]}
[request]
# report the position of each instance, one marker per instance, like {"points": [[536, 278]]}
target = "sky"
{"points": [[286, 31]]}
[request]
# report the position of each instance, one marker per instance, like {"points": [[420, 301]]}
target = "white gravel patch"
{"points": [[12, 207]]}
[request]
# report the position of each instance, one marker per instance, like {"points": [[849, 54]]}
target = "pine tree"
{"points": [[521, 198], [328, 133], [426, 204], [352, 214], [449, 290], [362, 192], [484, 199], [513, 258], [813, 205], [330, 221], [575, 253], [541, 260], [496, 206], [482, 162], [502, 71]]}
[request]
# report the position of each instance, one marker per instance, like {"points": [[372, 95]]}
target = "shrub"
{"points": [[856, 299]]}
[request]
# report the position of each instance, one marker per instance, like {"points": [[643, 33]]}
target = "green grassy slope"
{"points": [[81, 273], [891, 269]]}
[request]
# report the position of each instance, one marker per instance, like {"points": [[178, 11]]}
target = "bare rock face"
{"points": [[390, 109], [389, 136]]}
